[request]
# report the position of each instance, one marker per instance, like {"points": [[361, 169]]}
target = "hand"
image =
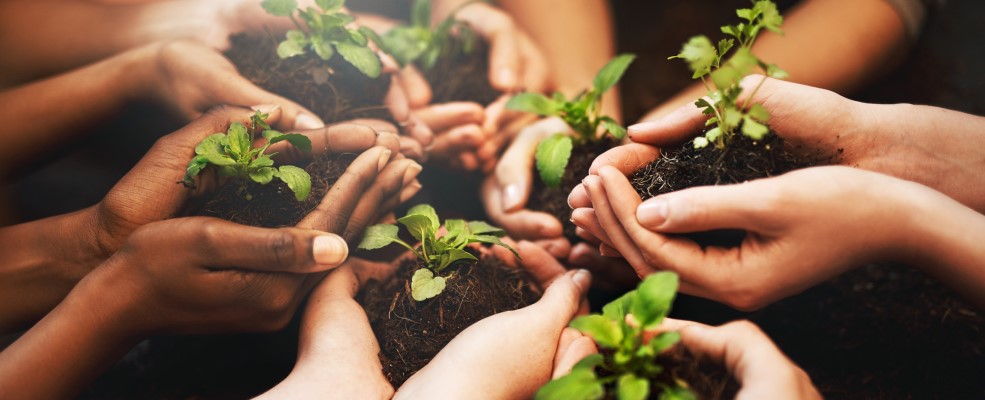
{"points": [[931, 146], [506, 191], [338, 352], [458, 132], [796, 229], [515, 346]]}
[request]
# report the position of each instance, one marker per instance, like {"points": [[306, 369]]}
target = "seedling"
{"points": [[583, 114], [628, 364], [706, 61], [233, 154], [324, 32], [437, 253], [418, 43]]}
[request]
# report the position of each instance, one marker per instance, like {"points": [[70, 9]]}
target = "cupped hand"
{"points": [[802, 228], [518, 347], [458, 132], [338, 351]]}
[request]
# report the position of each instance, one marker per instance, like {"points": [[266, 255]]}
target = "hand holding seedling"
{"points": [[181, 276], [515, 346]]}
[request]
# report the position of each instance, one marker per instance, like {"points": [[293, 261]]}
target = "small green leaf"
{"points": [[279, 8], [482, 228], [759, 113], [453, 255], [271, 134], [323, 49], [455, 227], [664, 341], [775, 72], [419, 226], [535, 103], [424, 285], [212, 144], [617, 309], [363, 58], [580, 384], [754, 130], [613, 127], [653, 298], [239, 140], [713, 134], [427, 211], [357, 37], [552, 158], [632, 387], [298, 140], [677, 393], [489, 239], [262, 175], [610, 74], [296, 36], [262, 161], [379, 236], [297, 180], [421, 14], [699, 54], [330, 5], [700, 142], [196, 165], [289, 48], [606, 332], [771, 18]]}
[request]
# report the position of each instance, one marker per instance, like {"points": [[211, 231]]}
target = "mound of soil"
{"points": [[411, 333], [554, 200], [464, 77]]}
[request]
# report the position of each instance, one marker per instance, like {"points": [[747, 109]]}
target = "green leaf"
{"points": [[296, 36], [653, 299], [424, 285], [262, 161], [427, 211], [613, 127], [699, 54], [298, 140], [262, 175], [775, 72], [700, 142], [580, 384], [617, 309], [677, 393], [455, 227], [421, 14], [632, 387], [363, 58], [212, 144], [323, 49], [771, 18], [482, 228], [724, 46], [279, 8], [759, 113], [754, 130], [713, 134], [535, 103], [606, 332], [239, 140], [453, 255], [590, 362], [196, 165], [419, 226], [664, 341], [610, 74], [289, 48], [552, 158], [330, 5], [379, 236], [271, 134], [357, 37], [297, 180], [489, 239]]}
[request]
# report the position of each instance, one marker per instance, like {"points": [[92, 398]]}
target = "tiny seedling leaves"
{"points": [[379, 236], [632, 387], [427, 211], [297, 180], [664, 341], [535, 103], [580, 384], [424, 285], [239, 140], [699, 54], [361, 57], [653, 298], [604, 331], [613, 127], [482, 228], [421, 14], [330, 5], [610, 74], [617, 309], [552, 158], [419, 226], [279, 8]]}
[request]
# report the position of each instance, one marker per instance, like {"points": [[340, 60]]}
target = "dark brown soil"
{"points": [[554, 200], [335, 90], [411, 333], [742, 160], [464, 77], [706, 379]]}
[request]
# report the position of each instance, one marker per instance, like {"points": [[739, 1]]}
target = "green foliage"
{"points": [[325, 33], [419, 44], [438, 253], [709, 62], [583, 114], [628, 362], [233, 154]]}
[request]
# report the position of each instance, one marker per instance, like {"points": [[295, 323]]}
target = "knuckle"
{"points": [[281, 248]]}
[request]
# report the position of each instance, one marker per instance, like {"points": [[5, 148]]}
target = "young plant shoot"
{"points": [[324, 32], [628, 363], [418, 43], [706, 61], [582, 114], [437, 253], [233, 154]]}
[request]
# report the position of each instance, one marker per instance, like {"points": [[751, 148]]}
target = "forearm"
{"points": [[40, 262], [68, 348], [830, 44], [42, 115]]}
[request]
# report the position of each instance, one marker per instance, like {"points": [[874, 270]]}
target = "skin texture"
{"points": [[181, 276], [42, 260]]}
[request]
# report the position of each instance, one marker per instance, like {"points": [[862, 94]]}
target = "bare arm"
{"points": [[831, 44]]}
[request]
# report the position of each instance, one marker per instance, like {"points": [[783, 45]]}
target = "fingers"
{"points": [[418, 90], [541, 264], [501, 33], [677, 127], [585, 219], [514, 170], [741, 206], [737, 345], [441, 117], [332, 214], [562, 299], [626, 158], [522, 224], [387, 184], [608, 273], [222, 244], [576, 350], [340, 138], [558, 247], [613, 228]]}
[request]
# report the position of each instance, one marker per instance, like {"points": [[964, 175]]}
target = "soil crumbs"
{"points": [[464, 77]]}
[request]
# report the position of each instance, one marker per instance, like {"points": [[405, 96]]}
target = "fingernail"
{"points": [[329, 250], [640, 127], [384, 159], [511, 197], [652, 213], [265, 108], [507, 77], [409, 191], [308, 121], [582, 279], [411, 173]]}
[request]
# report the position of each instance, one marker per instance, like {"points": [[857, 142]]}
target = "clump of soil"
{"points": [[554, 200], [463, 77], [411, 333], [742, 160], [334, 90]]}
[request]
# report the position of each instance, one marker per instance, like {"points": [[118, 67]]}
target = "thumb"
{"points": [[563, 297], [741, 206], [674, 128], [514, 170], [223, 244]]}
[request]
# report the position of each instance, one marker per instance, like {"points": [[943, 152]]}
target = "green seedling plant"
{"points": [[437, 253], [232, 154], [709, 63], [583, 114], [325, 32], [628, 364], [418, 43]]}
